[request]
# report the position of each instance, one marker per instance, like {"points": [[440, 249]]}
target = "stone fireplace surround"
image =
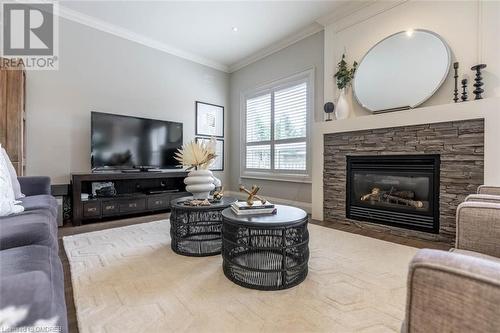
{"points": [[459, 143]]}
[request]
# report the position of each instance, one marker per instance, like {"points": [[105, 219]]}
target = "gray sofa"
{"points": [[459, 291], [31, 274]]}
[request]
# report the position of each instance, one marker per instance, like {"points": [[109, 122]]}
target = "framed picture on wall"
{"points": [[209, 119], [218, 164]]}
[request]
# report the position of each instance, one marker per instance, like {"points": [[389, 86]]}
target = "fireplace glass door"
{"points": [[395, 190], [403, 192]]}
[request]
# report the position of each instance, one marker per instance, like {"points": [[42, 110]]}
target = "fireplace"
{"points": [[397, 190]]}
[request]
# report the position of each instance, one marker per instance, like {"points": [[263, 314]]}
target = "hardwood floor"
{"points": [[68, 230], [385, 236]]}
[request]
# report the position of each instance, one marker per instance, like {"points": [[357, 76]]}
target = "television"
{"points": [[124, 142]]}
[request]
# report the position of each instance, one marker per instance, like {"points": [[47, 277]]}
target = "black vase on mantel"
{"points": [[329, 107], [479, 80], [464, 89]]}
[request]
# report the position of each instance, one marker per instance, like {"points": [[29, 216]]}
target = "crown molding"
{"points": [[341, 12], [344, 13], [356, 13], [275, 47], [101, 25]]}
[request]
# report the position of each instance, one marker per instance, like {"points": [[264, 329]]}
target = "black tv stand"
{"points": [[160, 191], [137, 193], [137, 170], [146, 168], [132, 171]]}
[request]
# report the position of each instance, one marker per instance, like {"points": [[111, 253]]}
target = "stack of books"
{"points": [[258, 208]]}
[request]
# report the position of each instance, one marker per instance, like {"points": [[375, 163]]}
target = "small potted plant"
{"points": [[343, 78], [197, 157]]}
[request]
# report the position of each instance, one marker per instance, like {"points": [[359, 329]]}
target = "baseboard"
{"points": [[307, 206]]}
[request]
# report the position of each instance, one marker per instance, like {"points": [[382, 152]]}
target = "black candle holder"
{"points": [[455, 91], [329, 107], [479, 80], [464, 90]]}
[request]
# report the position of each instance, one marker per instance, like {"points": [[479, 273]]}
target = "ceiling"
{"points": [[202, 31]]}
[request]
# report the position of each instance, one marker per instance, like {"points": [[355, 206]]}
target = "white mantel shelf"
{"points": [[487, 109]]}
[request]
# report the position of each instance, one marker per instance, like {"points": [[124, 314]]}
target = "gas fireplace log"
{"points": [[409, 202], [376, 195], [404, 194]]}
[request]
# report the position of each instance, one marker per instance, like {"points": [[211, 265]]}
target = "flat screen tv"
{"points": [[123, 142]]}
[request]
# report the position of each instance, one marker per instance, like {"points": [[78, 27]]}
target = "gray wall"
{"points": [[293, 59], [102, 72]]}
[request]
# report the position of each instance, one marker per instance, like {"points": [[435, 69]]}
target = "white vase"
{"points": [[200, 183], [217, 183], [344, 106]]}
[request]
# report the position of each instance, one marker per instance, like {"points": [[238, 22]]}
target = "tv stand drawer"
{"points": [[159, 202], [109, 208], [132, 205], [92, 209]]}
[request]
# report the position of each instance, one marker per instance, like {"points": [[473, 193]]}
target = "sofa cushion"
{"points": [[16, 187], [32, 280], [43, 201], [36, 227], [8, 204], [475, 254], [34, 185]]}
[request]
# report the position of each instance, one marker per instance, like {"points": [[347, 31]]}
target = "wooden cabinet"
{"points": [[136, 193], [12, 115]]}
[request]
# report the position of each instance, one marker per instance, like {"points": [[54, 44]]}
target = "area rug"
{"points": [[129, 280]]}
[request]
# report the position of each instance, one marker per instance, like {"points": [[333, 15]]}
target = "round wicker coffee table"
{"points": [[196, 231], [266, 252]]}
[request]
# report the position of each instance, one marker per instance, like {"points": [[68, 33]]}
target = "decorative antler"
{"points": [[218, 195], [252, 193]]}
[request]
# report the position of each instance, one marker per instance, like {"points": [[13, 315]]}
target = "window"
{"points": [[276, 128]]}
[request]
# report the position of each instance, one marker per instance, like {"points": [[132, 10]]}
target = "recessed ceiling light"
{"points": [[235, 29]]}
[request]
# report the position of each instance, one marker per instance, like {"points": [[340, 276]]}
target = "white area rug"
{"points": [[129, 280]]}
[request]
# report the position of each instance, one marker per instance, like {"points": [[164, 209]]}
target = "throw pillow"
{"points": [[7, 201], [16, 187]]}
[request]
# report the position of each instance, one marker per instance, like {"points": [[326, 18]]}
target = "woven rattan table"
{"points": [[196, 231], [266, 252]]}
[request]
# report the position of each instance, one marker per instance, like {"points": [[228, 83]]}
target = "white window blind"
{"points": [[290, 112], [277, 128], [259, 118]]}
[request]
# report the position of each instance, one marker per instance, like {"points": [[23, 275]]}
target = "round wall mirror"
{"points": [[402, 71]]}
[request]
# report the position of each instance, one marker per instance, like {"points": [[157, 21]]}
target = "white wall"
{"points": [[302, 55], [470, 28], [102, 72]]}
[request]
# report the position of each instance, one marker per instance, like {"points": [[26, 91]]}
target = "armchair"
{"points": [[483, 198], [459, 291], [485, 189], [478, 228], [452, 292]]}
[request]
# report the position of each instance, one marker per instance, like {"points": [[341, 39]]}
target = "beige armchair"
{"points": [[485, 189], [459, 291]]}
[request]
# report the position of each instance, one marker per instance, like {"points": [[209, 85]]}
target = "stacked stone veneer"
{"points": [[460, 144]]}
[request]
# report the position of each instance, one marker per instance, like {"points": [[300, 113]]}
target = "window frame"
{"points": [[303, 176]]}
